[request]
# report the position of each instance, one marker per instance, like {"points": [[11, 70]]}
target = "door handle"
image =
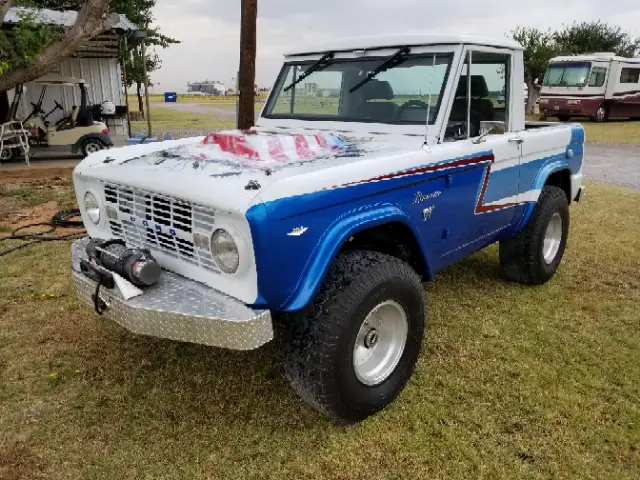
{"points": [[517, 140]]}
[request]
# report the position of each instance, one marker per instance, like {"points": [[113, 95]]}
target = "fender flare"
{"points": [[332, 241], [543, 175], [104, 138]]}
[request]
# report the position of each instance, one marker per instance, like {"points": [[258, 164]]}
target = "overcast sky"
{"points": [[210, 29]]}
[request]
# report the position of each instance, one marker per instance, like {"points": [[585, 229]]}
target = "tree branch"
{"points": [[4, 7], [92, 19]]}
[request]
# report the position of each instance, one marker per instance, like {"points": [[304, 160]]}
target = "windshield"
{"points": [[567, 74], [399, 94]]}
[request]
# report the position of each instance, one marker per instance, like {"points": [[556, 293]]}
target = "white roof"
{"points": [[594, 57], [64, 18], [399, 40]]}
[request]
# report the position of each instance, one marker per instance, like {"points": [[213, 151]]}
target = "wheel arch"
{"points": [[557, 174], [371, 227], [102, 137]]}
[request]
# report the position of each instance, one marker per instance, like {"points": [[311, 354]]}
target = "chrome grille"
{"points": [[169, 224]]}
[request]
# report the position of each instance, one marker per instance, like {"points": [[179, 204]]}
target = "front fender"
{"points": [[334, 239], [291, 268]]}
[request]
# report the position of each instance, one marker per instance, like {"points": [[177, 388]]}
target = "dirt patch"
{"points": [[19, 462], [20, 174]]}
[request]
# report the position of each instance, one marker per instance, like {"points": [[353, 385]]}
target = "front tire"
{"points": [[7, 154], [533, 256], [352, 351]]}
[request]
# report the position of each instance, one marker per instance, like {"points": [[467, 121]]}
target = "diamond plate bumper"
{"points": [[179, 309]]}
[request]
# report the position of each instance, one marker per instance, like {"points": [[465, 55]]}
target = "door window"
{"points": [[598, 76], [488, 82]]}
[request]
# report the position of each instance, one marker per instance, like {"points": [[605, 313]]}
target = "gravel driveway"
{"points": [[613, 163]]}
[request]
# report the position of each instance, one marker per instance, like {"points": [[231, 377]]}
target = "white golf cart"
{"points": [[77, 131]]}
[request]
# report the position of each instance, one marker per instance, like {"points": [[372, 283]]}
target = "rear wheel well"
{"points": [[395, 239], [562, 180]]}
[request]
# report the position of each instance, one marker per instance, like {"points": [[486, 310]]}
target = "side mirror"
{"points": [[490, 128]]}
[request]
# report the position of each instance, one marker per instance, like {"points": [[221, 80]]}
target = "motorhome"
{"points": [[598, 86]]}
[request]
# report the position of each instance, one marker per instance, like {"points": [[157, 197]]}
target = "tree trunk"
{"points": [[92, 19], [140, 100], [534, 96], [246, 110], [4, 6]]}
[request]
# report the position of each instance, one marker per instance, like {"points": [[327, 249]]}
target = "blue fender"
{"points": [[543, 175], [334, 238]]}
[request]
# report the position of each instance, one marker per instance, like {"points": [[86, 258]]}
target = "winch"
{"points": [[110, 261]]}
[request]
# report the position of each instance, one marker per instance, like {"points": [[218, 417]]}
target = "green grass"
{"points": [[513, 382]]}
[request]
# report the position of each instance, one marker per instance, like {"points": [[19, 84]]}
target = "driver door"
{"points": [[488, 180]]}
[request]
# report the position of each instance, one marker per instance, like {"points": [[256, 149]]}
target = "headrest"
{"points": [[478, 87], [376, 90]]}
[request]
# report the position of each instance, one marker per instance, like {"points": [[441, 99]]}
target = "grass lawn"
{"points": [[513, 382]]}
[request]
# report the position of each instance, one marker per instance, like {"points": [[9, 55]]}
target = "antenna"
{"points": [[426, 132]]}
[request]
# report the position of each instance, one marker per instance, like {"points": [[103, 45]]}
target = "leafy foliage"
{"points": [[596, 37], [28, 38]]}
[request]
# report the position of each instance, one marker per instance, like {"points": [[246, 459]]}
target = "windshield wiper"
{"points": [[321, 64], [394, 60]]}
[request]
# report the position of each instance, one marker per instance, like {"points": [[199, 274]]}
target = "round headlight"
{"points": [[92, 207], [225, 251]]}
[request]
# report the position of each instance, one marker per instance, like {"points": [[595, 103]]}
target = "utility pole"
{"points": [[247, 75]]}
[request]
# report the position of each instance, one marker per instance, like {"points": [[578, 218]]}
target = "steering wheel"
{"points": [[414, 104], [58, 106]]}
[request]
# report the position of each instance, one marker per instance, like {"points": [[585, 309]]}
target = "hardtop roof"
{"points": [[374, 42]]}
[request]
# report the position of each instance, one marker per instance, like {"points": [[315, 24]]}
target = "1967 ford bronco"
{"points": [[375, 163]]}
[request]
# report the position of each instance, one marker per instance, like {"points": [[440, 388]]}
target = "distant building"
{"points": [[207, 88]]}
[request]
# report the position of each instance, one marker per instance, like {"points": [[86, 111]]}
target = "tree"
{"points": [[590, 37], [140, 13], [539, 48], [32, 49]]}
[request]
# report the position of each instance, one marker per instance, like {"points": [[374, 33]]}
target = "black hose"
{"points": [[59, 220]]}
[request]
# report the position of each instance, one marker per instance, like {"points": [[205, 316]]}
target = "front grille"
{"points": [[159, 222]]}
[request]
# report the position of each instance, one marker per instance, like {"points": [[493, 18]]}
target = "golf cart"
{"points": [[77, 130]]}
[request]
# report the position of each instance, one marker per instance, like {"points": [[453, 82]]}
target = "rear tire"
{"points": [[533, 256], [91, 145], [7, 154], [366, 297]]}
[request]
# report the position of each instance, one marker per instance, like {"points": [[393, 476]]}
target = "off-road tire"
{"points": [[318, 341], [521, 256], [89, 143]]}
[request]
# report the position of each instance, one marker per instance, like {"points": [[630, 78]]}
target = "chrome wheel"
{"points": [[552, 238], [601, 114], [380, 343]]}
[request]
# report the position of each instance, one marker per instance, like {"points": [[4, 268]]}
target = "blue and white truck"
{"points": [[375, 163]]}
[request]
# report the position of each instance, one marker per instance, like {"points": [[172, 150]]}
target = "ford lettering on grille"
{"points": [[159, 222]]}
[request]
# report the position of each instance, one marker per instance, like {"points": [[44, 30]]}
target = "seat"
{"points": [[481, 107], [375, 110]]}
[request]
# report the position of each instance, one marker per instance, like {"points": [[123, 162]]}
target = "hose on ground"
{"points": [[62, 219]]}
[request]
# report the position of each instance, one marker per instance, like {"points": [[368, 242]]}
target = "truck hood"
{"points": [[231, 169]]}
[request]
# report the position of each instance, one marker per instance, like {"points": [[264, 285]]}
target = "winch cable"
{"points": [[62, 219]]}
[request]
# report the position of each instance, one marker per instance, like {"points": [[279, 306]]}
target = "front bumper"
{"points": [[180, 309]]}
